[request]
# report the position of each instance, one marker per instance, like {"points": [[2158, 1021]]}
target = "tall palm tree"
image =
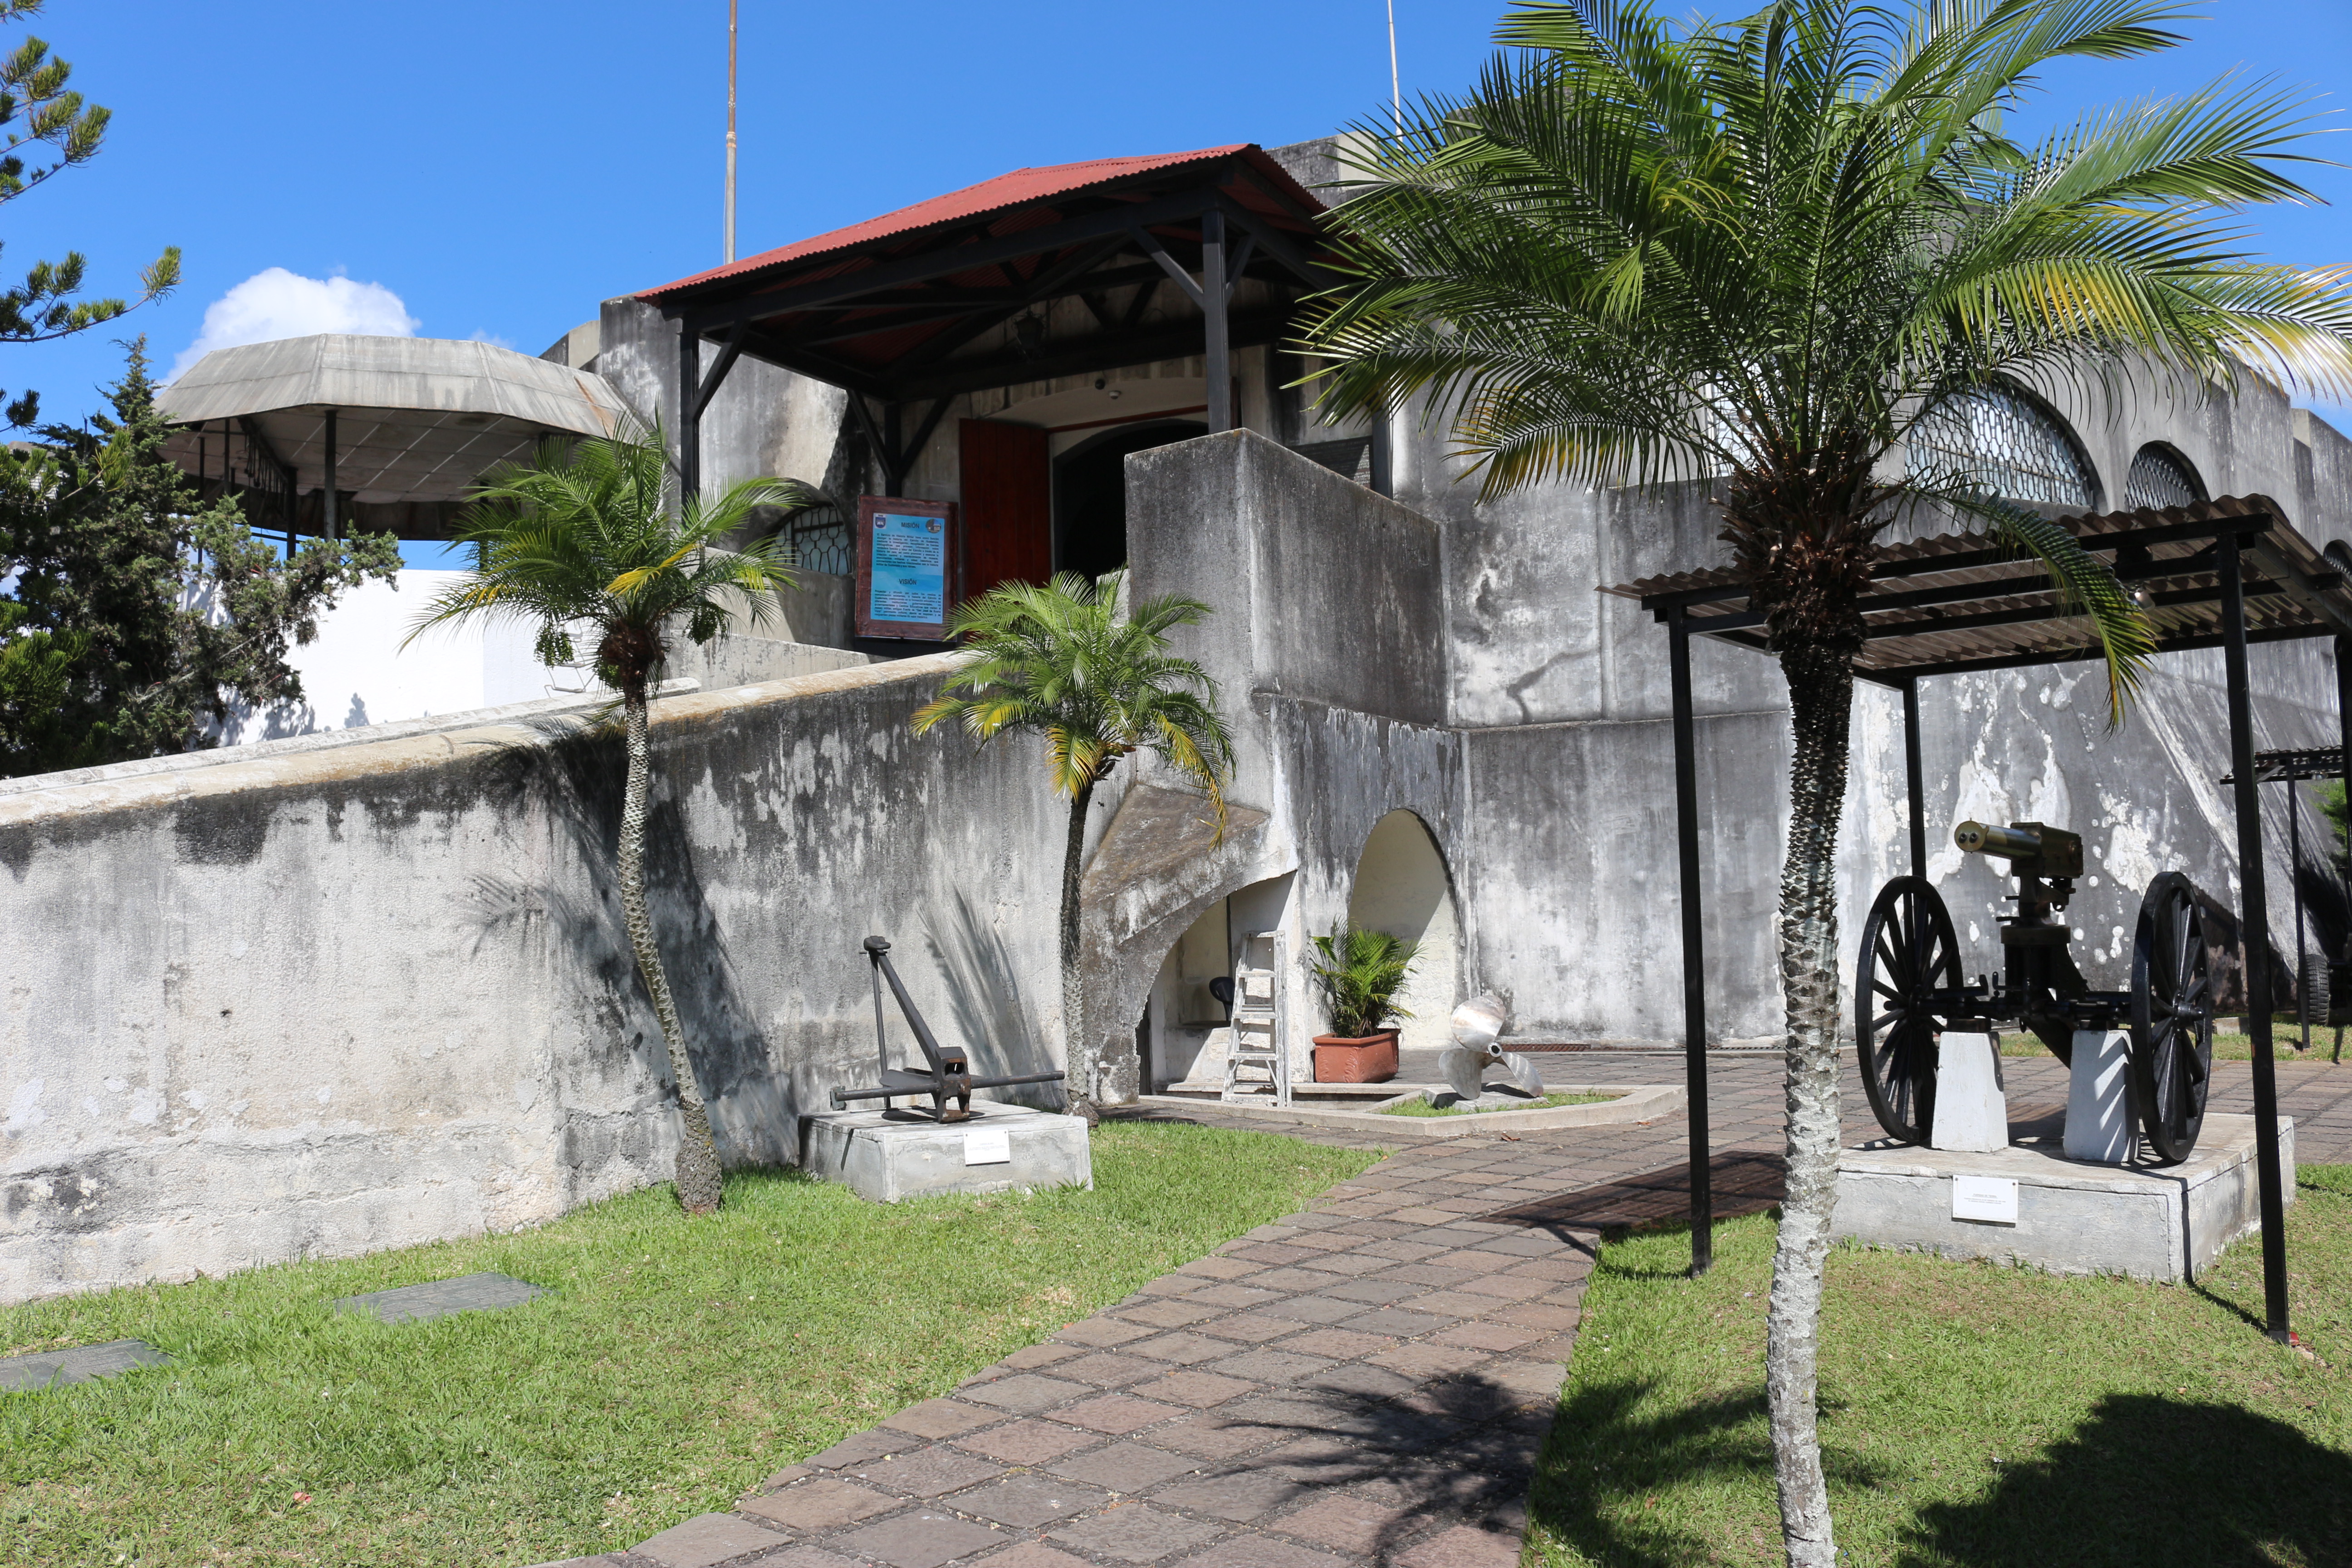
{"points": [[581, 540], [1757, 253], [1060, 661]]}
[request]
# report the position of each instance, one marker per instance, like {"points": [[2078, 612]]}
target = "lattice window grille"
{"points": [[2160, 479], [820, 542], [1999, 441]]}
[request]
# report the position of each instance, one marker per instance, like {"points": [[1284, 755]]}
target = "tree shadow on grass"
{"points": [[1605, 1458], [2150, 1479]]}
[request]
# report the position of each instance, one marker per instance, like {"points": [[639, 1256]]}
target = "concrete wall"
{"points": [[374, 993]]}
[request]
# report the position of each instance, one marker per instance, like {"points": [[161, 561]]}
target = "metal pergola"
{"points": [[947, 297], [2221, 574], [2290, 766]]}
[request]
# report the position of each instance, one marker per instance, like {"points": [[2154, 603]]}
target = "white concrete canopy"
{"points": [[418, 419]]}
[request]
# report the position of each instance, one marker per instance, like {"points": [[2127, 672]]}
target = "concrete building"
{"points": [[360, 989]]}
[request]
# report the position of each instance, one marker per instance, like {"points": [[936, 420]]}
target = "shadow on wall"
{"points": [[753, 1112], [988, 1013]]}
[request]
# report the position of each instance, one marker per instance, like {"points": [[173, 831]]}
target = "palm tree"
{"points": [[1060, 661], [581, 540], [1757, 253]]}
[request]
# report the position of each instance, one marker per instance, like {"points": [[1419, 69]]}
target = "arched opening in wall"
{"points": [[1090, 493], [2007, 441], [2161, 477], [1401, 889], [1183, 1033]]}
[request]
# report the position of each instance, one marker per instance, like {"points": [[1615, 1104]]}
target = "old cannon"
{"points": [[948, 1074], [1908, 987]]}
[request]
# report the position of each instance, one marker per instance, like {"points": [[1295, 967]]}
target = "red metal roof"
{"points": [[1022, 187]]}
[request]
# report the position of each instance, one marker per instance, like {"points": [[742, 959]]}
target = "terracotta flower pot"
{"points": [[1368, 1058]]}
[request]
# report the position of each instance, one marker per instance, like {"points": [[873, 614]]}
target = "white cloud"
{"points": [[275, 303], [496, 340]]}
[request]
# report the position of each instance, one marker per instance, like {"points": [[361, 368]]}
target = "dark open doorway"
{"points": [[1090, 493]]}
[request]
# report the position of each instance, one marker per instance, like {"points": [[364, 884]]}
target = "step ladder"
{"points": [[1260, 1043]]}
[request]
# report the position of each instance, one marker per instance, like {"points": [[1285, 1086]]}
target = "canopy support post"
{"points": [[1911, 776], [690, 415], [330, 527], [1702, 1195], [1218, 348], [2254, 935]]}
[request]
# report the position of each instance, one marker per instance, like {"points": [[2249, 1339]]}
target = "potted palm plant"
{"points": [[1359, 973]]}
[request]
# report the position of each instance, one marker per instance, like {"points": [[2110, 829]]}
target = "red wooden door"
{"points": [[1008, 505]]}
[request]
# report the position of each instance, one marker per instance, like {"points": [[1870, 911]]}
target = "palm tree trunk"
{"points": [[1821, 695], [1084, 1070], [697, 1154]]}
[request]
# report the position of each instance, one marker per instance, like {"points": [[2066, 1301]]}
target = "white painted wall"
{"points": [[1401, 889], [356, 673]]}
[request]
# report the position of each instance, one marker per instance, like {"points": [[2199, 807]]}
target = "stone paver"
{"points": [[484, 1292], [56, 1369], [1368, 1381]]}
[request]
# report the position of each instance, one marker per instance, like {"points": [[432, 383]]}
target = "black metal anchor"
{"points": [[949, 1076]]}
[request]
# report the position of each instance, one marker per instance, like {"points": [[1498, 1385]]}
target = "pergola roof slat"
{"points": [[1967, 601]]}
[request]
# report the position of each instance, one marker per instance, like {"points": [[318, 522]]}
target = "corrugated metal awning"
{"points": [[1962, 602]]}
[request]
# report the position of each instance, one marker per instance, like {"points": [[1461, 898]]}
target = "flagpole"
{"points": [[730, 130], [1396, 95]]}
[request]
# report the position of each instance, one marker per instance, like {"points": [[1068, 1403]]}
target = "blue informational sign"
{"points": [[909, 575]]}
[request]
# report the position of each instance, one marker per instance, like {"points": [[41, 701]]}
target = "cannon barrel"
{"points": [[2008, 842]]}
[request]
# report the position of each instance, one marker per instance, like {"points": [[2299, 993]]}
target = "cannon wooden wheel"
{"points": [[2171, 1017], [1908, 953]]}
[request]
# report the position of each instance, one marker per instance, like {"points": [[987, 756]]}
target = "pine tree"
{"points": [[140, 615]]}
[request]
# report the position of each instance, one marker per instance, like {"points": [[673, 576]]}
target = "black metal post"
{"points": [[1702, 1186], [2294, 872], [2253, 934], [894, 466], [1384, 456], [330, 530], [1213, 308], [1912, 777], [689, 416], [2344, 746]]}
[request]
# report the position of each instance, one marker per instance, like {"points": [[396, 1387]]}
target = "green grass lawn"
{"points": [[678, 1362], [1423, 1106], [1971, 1414]]}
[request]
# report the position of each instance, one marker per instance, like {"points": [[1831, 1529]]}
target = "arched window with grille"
{"points": [[2160, 477], [2000, 439]]}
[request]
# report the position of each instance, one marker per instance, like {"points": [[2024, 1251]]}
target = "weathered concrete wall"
{"points": [[1563, 695], [372, 994]]}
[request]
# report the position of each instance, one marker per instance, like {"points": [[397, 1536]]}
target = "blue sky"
{"points": [[497, 168]]}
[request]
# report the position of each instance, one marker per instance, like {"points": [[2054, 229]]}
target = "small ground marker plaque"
{"points": [[988, 1146], [416, 1303], [1992, 1200], [54, 1369]]}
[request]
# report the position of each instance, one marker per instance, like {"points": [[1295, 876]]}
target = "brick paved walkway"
{"points": [[1368, 1381]]}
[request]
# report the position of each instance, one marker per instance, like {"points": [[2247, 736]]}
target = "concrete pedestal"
{"points": [[886, 1155], [1972, 1111], [2154, 1222], [2098, 1098]]}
